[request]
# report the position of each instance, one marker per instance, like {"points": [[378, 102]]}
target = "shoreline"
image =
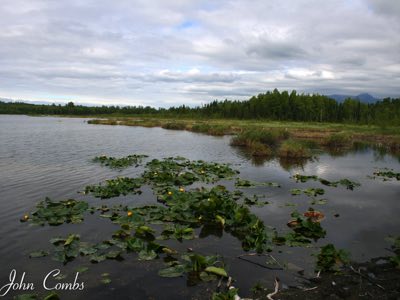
{"points": [[327, 136]]}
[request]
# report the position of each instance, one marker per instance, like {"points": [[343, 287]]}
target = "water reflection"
{"points": [[289, 164], [45, 157]]}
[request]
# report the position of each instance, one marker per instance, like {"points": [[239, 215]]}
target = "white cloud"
{"points": [[162, 52]]}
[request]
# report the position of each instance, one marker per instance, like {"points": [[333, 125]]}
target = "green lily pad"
{"points": [[40, 253], [216, 271], [175, 271]]}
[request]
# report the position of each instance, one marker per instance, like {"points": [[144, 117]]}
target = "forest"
{"points": [[272, 105]]}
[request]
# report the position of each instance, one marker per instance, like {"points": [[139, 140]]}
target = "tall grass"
{"points": [[294, 149], [215, 129], [174, 126], [270, 137], [337, 140]]}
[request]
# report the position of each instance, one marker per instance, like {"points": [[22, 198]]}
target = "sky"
{"points": [[167, 53]]}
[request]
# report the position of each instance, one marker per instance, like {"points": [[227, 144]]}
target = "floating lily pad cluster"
{"points": [[60, 212], [387, 174], [311, 192], [243, 183], [120, 163], [182, 210], [115, 187], [350, 185], [306, 228], [179, 171]]}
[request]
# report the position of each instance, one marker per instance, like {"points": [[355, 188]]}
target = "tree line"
{"points": [[272, 105]]}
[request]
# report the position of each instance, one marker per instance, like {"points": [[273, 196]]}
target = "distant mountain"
{"points": [[364, 97]]}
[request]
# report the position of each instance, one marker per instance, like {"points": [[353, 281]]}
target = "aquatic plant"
{"points": [[306, 226], [257, 136], [174, 125], [259, 149], [311, 192], [178, 171], [244, 183], [231, 294], [183, 209], [294, 149], [336, 140], [115, 187], [387, 174], [56, 213], [50, 296], [330, 259], [395, 247], [198, 268], [119, 163], [214, 129], [349, 184]]}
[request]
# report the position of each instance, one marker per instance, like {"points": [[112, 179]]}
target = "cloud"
{"points": [[168, 53]]}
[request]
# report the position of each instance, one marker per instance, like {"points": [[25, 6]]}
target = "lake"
{"points": [[51, 157]]}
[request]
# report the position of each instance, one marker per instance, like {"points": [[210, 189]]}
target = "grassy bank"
{"points": [[285, 139]]}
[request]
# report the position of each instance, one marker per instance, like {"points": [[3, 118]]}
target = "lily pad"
{"points": [[120, 163]]}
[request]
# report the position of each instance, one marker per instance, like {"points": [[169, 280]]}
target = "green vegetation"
{"points": [[294, 149], [198, 268], [337, 140], [350, 185], [262, 142], [50, 296], [387, 174], [115, 187], [311, 192], [396, 250], [330, 259], [120, 163], [231, 294], [210, 129], [306, 227], [269, 138], [183, 211], [57, 213], [174, 126]]}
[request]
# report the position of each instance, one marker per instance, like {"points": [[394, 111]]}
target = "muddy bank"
{"points": [[376, 279]]}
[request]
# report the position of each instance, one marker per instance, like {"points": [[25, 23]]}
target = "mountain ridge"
{"points": [[363, 97]]}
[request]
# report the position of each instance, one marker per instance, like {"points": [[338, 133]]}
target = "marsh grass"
{"points": [[217, 130], [270, 138], [337, 140], [174, 125], [259, 149], [294, 149]]}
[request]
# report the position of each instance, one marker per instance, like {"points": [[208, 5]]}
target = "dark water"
{"points": [[42, 157]]}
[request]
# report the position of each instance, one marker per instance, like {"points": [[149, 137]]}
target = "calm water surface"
{"points": [[50, 157]]}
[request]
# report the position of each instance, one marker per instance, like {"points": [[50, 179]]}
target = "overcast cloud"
{"points": [[164, 53]]}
